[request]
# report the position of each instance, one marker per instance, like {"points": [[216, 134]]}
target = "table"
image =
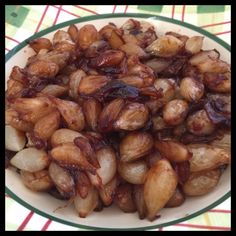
{"points": [[24, 20]]}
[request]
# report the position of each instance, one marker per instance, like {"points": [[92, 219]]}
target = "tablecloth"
{"points": [[24, 20]]}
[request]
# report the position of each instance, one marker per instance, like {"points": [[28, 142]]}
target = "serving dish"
{"points": [[112, 218]]}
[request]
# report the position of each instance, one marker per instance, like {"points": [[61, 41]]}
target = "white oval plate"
{"points": [[112, 218]]}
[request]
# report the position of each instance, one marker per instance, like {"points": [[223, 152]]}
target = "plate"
{"points": [[112, 218]]}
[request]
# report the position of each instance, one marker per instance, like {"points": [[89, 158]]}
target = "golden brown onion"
{"points": [[175, 111], [73, 32], [133, 172], [32, 109], [74, 82], [84, 206], [40, 43], [201, 183], [176, 200], [165, 46], [108, 58], [107, 193], [173, 151], [199, 123], [191, 89], [139, 201], [135, 145], [92, 109], [43, 68], [70, 156], [92, 83], [159, 187], [133, 116], [153, 158], [207, 157], [124, 199], [194, 44], [83, 184], [220, 83], [109, 114], [72, 113], [64, 136], [36, 181], [54, 90], [47, 125], [63, 181], [86, 36], [133, 49], [12, 118]]}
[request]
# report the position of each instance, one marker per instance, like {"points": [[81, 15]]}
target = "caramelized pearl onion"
{"points": [[119, 115]]}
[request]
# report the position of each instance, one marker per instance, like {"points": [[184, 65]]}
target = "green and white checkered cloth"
{"points": [[22, 21]]}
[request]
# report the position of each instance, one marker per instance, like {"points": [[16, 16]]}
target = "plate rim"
{"points": [[24, 43]]}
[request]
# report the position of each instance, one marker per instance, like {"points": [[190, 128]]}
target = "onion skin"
{"points": [[83, 184], [159, 187], [87, 150], [107, 193], [70, 156], [109, 114]]}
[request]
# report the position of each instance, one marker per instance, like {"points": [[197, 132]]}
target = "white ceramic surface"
{"points": [[112, 217]]}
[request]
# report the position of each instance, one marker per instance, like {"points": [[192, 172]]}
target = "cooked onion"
{"points": [[30, 159]]}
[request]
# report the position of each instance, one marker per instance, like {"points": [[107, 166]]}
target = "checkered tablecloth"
{"points": [[22, 21]]}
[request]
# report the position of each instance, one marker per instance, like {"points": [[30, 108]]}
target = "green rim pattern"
{"points": [[105, 16]]}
